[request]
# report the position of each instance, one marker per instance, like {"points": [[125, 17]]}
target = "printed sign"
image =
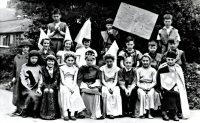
{"points": [[135, 20]]}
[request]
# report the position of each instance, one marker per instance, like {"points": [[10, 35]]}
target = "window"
{"points": [[6, 40]]}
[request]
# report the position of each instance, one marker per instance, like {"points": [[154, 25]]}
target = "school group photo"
{"points": [[60, 77]]}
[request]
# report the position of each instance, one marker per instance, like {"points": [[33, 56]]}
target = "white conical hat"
{"points": [[85, 32], [43, 35], [113, 51], [67, 34]]}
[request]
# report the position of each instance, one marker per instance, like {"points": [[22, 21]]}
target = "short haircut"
{"points": [[85, 40], [109, 56], [56, 11], [90, 52], [152, 43], [130, 38], [168, 16], [45, 40]]}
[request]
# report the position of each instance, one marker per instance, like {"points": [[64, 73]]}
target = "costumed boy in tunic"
{"points": [[112, 102], [45, 51], [168, 32], [80, 60], [180, 54], [109, 35], [89, 82], [171, 83], [127, 80], [30, 76], [49, 109], [71, 100], [155, 56], [19, 60], [130, 52], [146, 80], [61, 53], [56, 30]]}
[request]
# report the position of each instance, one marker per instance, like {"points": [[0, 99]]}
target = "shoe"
{"points": [[142, 117], [66, 118], [150, 116], [72, 118], [176, 118], [133, 116], [111, 117], [125, 114], [180, 116], [165, 117], [80, 115], [101, 118], [24, 113]]}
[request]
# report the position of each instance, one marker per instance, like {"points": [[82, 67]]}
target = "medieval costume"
{"points": [[127, 80], [112, 102], [19, 60], [69, 91], [175, 98], [146, 78], [51, 78], [89, 82], [30, 76]]}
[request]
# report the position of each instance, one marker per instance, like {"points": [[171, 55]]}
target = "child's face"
{"points": [[109, 26], [109, 63], [68, 45], [86, 44], [167, 22], [56, 17], [145, 62], [89, 61], [46, 44], [152, 48], [128, 63], [130, 45], [25, 49], [34, 59], [174, 46], [170, 61], [50, 63], [70, 61]]}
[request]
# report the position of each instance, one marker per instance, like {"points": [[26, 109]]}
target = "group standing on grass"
{"points": [[70, 85]]}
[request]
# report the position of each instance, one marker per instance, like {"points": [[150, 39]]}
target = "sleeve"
{"points": [[23, 77], [178, 36], [158, 36], [138, 78], [80, 76], [183, 59], [41, 80], [139, 55], [121, 79], [48, 30], [154, 77], [134, 80], [14, 67], [158, 83], [56, 82]]}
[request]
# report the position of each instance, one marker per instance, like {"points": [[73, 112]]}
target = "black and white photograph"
{"points": [[99, 61]]}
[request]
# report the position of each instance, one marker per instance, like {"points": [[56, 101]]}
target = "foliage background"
{"points": [[74, 12]]}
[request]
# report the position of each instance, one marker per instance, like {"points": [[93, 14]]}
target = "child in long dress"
{"points": [[112, 102], [71, 100]]}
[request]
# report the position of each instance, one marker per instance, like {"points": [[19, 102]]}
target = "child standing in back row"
{"points": [[166, 33], [56, 30]]}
